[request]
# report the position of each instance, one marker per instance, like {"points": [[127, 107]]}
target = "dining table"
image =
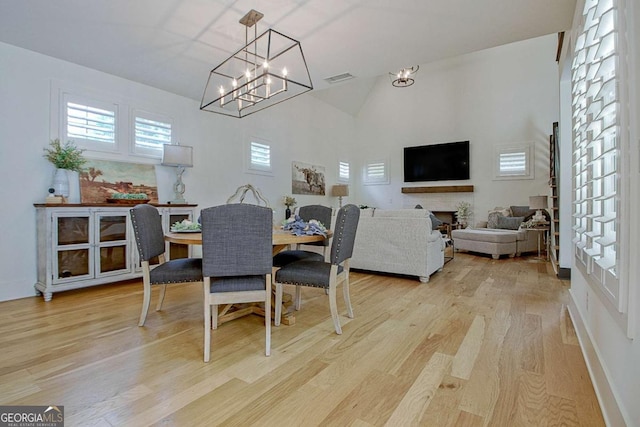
{"points": [[282, 239]]}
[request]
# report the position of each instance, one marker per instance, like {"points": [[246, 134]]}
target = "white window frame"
{"points": [[600, 153], [125, 111], [89, 144], [148, 151], [499, 151], [368, 179], [250, 166], [343, 166]]}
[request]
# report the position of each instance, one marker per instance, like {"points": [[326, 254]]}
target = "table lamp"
{"points": [[340, 191], [180, 156], [538, 203]]}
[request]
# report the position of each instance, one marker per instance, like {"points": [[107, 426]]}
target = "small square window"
{"points": [[258, 157], [150, 133], [513, 161], [376, 172], [343, 171]]}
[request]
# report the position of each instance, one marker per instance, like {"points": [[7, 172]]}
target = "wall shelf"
{"points": [[439, 189]]}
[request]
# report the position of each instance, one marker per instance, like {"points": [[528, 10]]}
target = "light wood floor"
{"points": [[485, 342]]}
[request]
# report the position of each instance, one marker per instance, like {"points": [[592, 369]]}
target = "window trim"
{"points": [[67, 97], [522, 147], [368, 179], [341, 165], [147, 151], [252, 168]]}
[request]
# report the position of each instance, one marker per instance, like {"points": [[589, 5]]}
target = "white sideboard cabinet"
{"points": [[82, 245]]}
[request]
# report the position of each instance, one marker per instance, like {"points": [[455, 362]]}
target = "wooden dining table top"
{"points": [[281, 239]]}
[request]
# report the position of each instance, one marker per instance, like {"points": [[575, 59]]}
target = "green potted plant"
{"points": [[65, 157], [463, 213]]}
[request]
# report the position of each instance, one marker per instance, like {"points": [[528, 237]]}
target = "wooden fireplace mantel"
{"points": [[439, 189]]}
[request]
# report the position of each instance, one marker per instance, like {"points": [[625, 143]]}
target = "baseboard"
{"points": [[606, 397], [564, 273]]}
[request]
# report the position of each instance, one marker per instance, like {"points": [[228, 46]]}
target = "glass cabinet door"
{"points": [[111, 239], [72, 244], [176, 250]]}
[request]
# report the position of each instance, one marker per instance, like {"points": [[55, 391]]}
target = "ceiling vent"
{"points": [[339, 78]]}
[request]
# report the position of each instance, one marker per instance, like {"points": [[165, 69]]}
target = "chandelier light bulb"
{"points": [[221, 90], [265, 65], [284, 72], [234, 83]]}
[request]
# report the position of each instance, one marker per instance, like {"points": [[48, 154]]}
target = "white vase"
{"points": [[61, 183]]}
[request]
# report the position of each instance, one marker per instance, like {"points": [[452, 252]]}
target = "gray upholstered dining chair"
{"points": [[236, 262], [321, 274], [147, 229], [307, 213]]}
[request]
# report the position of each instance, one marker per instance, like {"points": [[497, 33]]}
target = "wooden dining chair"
{"points": [[321, 274], [307, 213], [236, 253], [147, 229]]}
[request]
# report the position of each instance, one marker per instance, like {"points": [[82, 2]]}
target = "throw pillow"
{"points": [[522, 211], [435, 221], [509, 223], [492, 220]]}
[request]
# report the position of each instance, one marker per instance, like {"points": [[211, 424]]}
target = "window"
{"points": [[597, 151], [513, 161], [343, 171], [150, 133], [107, 125], [90, 123], [259, 157], [376, 172]]}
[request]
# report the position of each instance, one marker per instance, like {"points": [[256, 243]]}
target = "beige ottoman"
{"points": [[487, 241]]}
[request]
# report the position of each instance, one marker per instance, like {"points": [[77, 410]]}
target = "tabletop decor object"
{"points": [[186, 226], [288, 202], [463, 213], [128, 198], [65, 157], [297, 226], [180, 156]]}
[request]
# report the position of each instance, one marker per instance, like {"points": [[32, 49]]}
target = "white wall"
{"points": [[303, 129], [503, 95]]}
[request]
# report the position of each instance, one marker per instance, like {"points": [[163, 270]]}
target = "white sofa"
{"points": [[398, 241]]}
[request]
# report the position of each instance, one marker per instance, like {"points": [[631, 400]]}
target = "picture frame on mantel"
{"points": [[100, 179]]}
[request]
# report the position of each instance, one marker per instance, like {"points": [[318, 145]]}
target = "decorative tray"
{"points": [[128, 201]]}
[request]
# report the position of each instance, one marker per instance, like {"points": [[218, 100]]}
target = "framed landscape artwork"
{"points": [[307, 179], [100, 179]]}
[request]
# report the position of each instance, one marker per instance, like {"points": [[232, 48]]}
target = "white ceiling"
{"points": [[172, 44]]}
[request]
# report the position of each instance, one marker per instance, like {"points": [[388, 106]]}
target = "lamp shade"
{"points": [[538, 202], [340, 190], [177, 155]]}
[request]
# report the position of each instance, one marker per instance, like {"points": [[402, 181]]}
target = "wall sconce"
{"points": [[180, 156], [340, 191]]}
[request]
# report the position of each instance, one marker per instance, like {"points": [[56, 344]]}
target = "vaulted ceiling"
{"points": [[172, 44]]}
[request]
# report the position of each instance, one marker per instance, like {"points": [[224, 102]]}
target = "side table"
{"points": [[448, 243], [542, 233]]}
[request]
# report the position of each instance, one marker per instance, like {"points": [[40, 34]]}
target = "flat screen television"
{"points": [[437, 162]]}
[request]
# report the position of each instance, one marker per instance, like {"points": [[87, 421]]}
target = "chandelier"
{"points": [[268, 70], [403, 77]]}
